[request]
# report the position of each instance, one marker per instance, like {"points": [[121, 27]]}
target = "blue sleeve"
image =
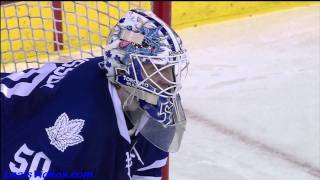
{"points": [[151, 160]]}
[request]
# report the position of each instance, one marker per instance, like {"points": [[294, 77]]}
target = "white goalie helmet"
{"points": [[146, 58]]}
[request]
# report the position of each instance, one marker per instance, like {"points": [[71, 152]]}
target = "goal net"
{"points": [[36, 32]]}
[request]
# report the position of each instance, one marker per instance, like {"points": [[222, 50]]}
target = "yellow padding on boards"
{"points": [[192, 13]]}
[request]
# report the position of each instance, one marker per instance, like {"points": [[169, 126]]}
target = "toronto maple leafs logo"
{"points": [[65, 132]]}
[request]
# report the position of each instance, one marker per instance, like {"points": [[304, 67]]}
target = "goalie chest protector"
{"points": [[59, 120]]}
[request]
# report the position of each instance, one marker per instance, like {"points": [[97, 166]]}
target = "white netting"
{"points": [[36, 32]]}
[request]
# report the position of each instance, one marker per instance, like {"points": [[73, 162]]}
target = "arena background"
{"points": [[184, 14]]}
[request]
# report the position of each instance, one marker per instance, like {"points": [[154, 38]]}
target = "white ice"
{"points": [[252, 98]]}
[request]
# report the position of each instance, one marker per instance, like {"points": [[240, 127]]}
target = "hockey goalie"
{"points": [[114, 117]]}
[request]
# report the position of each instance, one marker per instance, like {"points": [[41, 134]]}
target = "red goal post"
{"points": [[36, 32]]}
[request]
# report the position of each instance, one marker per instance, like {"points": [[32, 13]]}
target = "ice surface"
{"points": [[252, 98]]}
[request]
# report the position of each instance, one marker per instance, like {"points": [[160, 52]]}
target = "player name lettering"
{"points": [[60, 72]]}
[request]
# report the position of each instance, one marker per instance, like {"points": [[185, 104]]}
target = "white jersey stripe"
{"points": [[156, 164], [135, 177], [25, 88], [121, 121]]}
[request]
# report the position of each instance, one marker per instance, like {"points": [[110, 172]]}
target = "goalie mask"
{"points": [[146, 58]]}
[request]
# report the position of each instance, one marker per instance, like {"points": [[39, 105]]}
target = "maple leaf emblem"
{"points": [[65, 132]]}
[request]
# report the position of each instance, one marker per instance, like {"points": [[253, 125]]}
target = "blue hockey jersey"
{"points": [[64, 121]]}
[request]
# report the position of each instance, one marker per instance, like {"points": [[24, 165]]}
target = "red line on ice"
{"points": [[309, 168]]}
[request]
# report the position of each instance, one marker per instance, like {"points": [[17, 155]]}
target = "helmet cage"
{"points": [[137, 76]]}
